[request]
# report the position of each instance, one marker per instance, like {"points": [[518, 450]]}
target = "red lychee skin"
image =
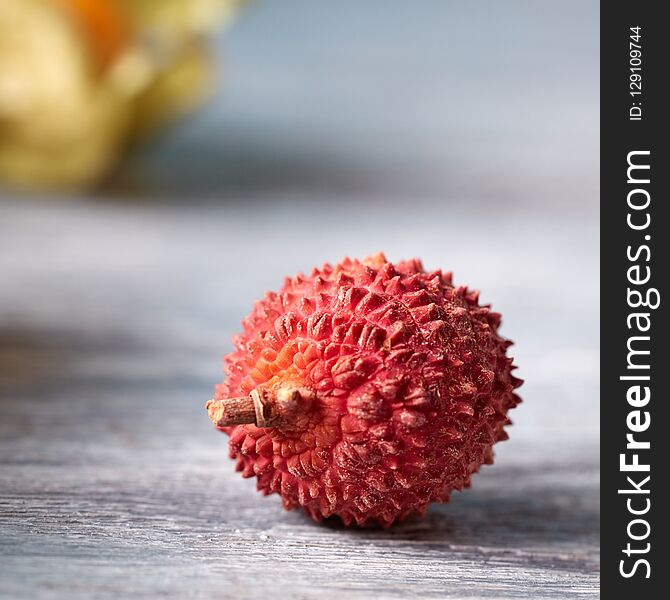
{"points": [[412, 387]]}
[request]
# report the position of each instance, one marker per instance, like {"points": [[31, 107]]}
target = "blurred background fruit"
{"points": [[80, 80]]}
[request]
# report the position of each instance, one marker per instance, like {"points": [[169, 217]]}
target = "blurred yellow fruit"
{"points": [[174, 19], [79, 79]]}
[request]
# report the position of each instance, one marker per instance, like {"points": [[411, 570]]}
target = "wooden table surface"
{"points": [[115, 309]]}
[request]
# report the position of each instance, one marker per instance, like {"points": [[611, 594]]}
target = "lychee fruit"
{"points": [[366, 390]]}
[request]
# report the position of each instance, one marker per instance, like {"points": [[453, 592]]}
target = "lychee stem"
{"points": [[263, 408], [232, 411]]}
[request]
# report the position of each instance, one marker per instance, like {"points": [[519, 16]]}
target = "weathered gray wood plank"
{"points": [[114, 483]]}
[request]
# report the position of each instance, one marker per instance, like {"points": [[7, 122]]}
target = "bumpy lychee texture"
{"points": [[379, 389]]}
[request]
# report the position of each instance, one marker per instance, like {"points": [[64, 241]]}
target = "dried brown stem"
{"points": [[264, 408], [232, 411]]}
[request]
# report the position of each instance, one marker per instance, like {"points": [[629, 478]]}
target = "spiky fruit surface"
{"points": [[411, 383]]}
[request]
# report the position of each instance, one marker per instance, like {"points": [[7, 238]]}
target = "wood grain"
{"points": [[106, 501], [114, 482]]}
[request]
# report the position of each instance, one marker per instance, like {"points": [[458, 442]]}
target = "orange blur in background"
{"points": [[81, 80]]}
